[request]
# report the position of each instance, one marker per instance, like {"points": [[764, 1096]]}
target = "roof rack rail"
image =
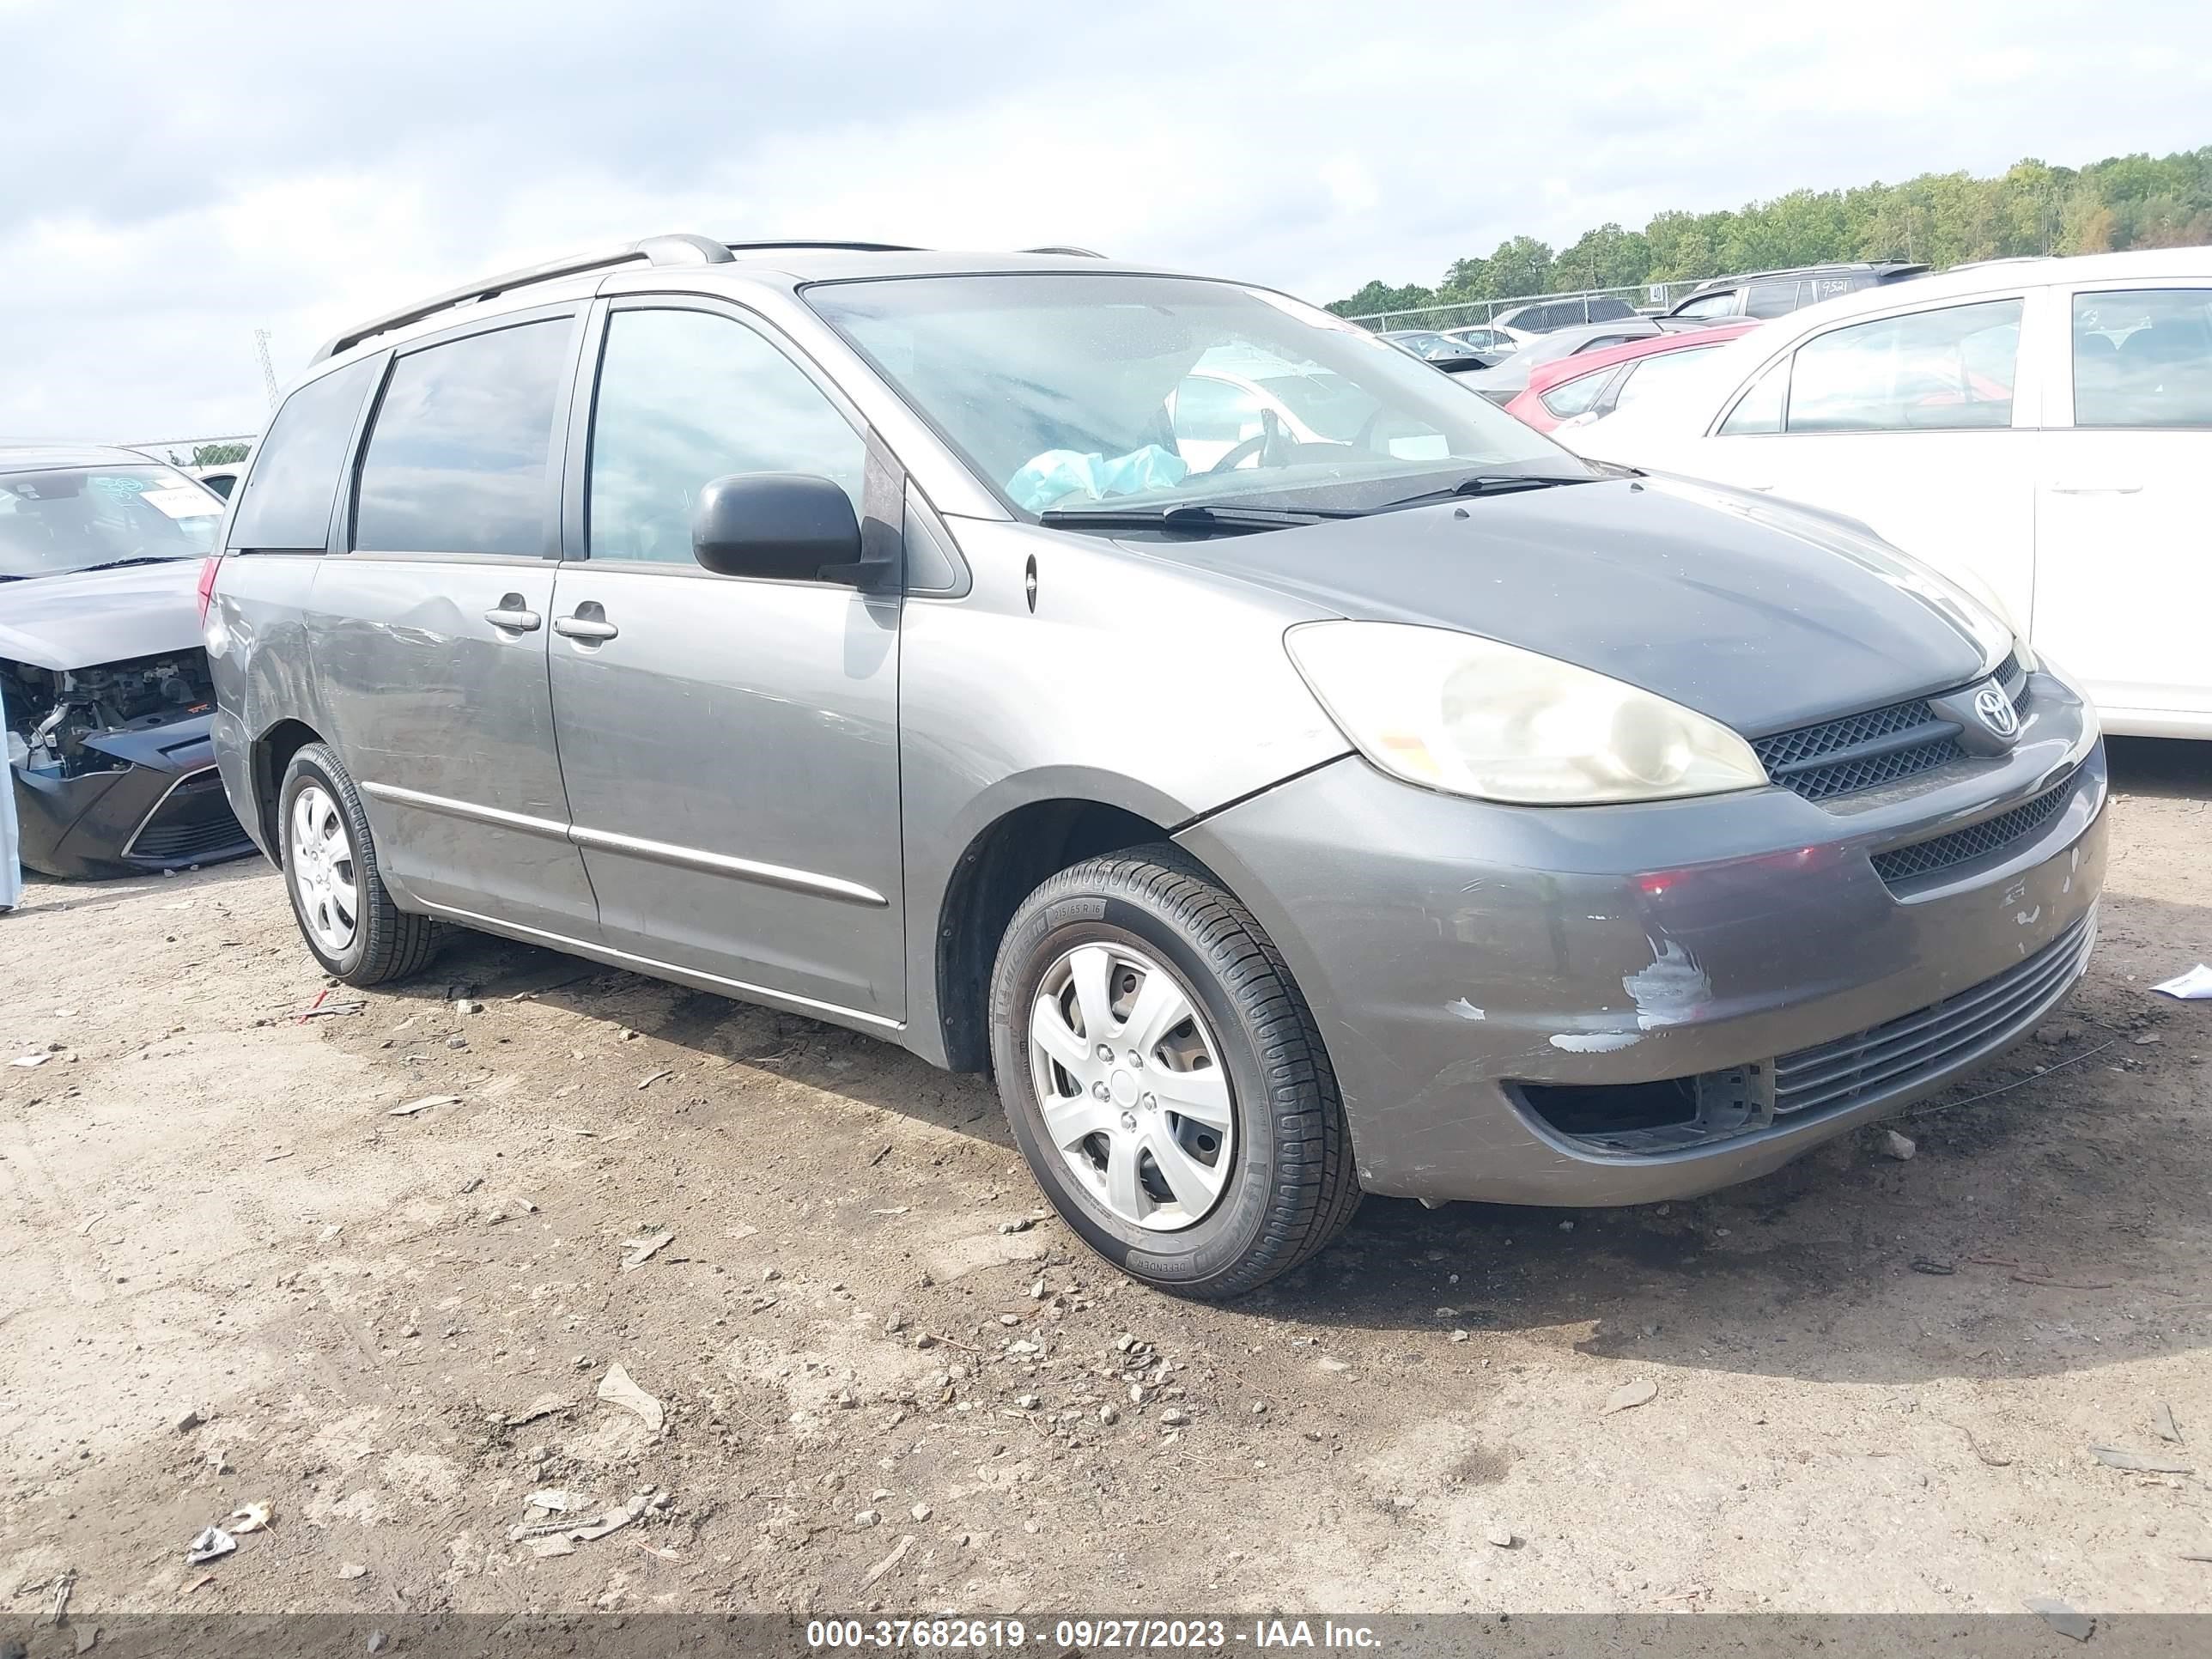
{"points": [[835, 247], [1075, 252], [682, 249]]}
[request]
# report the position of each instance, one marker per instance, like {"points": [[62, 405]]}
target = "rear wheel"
{"points": [[1163, 1077], [339, 898]]}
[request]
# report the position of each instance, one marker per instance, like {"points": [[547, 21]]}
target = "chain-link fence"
{"points": [[1462, 313]]}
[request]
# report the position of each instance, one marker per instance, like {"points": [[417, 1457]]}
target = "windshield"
{"points": [[73, 517], [1069, 390]]}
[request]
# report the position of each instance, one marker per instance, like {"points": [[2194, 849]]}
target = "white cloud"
{"points": [[170, 189]]}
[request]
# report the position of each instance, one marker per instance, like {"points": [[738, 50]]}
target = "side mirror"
{"points": [[792, 525]]}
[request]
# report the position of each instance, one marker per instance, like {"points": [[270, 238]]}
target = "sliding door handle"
{"points": [[592, 628], [511, 615]]}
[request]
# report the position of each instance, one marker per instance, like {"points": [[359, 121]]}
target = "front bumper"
{"points": [[1469, 963], [159, 805]]}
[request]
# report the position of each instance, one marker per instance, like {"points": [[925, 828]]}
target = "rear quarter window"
{"points": [[457, 458], [295, 478]]}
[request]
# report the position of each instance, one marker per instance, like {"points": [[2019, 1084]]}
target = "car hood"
{"points": [[1763, 616], [97, 616]]}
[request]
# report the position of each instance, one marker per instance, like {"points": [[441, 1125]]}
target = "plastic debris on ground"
{"points": [[1628, 1395], [561, 1537], [617, 1388], [2119, 1457], [212, 1541], [636, 1252], [2195, 986]]}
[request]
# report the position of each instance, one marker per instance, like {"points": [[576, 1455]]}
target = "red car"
{"points": [[1593, 384]]}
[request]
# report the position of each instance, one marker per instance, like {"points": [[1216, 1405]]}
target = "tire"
{"points": [[1287, 1184], [383, 942]]}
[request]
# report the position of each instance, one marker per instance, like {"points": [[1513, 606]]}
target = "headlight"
{"points": [[1471, 717]]}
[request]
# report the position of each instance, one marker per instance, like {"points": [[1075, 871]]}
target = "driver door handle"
{"points": [[583, 628], [513, 616]]}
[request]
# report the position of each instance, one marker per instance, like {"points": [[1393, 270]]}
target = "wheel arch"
{"points": [[271, 753], [1000, 865]]}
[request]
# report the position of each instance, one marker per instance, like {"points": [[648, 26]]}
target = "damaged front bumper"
{"points": [[1596, 1005], [155, 803]]}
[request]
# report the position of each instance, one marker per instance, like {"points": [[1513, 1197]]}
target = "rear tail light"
{"points": [[208, 566]]}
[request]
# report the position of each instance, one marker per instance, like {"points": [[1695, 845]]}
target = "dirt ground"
{"points": [[1878, 1383]]}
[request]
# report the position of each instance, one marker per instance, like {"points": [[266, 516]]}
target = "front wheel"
{"points": [[339, 897], [1162, 1076]]}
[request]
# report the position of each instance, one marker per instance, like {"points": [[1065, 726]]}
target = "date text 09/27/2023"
{"points": [[944, 1634]]}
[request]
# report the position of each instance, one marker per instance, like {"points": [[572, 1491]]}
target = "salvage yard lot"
{"points": [[1878, 1383]]}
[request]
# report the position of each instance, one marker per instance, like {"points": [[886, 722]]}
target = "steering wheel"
{"points": [[1261, 443], [1252, 446]]}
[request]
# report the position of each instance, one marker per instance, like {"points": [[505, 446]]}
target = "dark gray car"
{"points": [[102, 678], [1376, 800]]}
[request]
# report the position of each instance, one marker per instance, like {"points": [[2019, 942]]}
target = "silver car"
{"points": [[1393, 805]]}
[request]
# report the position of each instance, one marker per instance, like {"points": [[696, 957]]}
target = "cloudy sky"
{"points": [[177, 176]]}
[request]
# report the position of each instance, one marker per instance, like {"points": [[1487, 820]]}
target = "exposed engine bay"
{"points": [[52, 712]]}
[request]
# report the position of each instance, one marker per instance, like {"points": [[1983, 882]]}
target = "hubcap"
{"points": [[318, 857], [1130, 1082]]}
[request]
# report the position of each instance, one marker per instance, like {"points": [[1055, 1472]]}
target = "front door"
{"points": [[430, 632], [730, 745], [2124, 543]]}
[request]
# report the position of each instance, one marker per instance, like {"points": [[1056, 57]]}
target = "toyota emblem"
{"points": [[1995, 711]]}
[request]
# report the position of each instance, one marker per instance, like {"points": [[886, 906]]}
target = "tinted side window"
{"points": [[295, 475], [456, 456], [686, 398], [2143, 358], [1713, 305], [1926, 371], [1771, 299], [1609, 310]]}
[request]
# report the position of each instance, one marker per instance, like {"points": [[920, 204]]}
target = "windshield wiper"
{"points": [[1194, 519], [1486, 484], [118, 564]]}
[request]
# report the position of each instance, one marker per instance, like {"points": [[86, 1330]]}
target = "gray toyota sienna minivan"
{"points": [[1288, 775]]}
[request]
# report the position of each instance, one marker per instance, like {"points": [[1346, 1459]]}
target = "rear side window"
{"points": [[686, 398], [1576, 397], [294, 479], [1712, 305], [457, 458], [1771, 299], [2143, 358], [1607, 310], [1928, 370]]}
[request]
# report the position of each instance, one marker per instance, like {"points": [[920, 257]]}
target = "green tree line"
{"points": [[1941, 218]]}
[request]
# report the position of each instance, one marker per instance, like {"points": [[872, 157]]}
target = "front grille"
{"points": [[1866, 750], [1926, 858], [192, 821], [1917, 1048]]}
